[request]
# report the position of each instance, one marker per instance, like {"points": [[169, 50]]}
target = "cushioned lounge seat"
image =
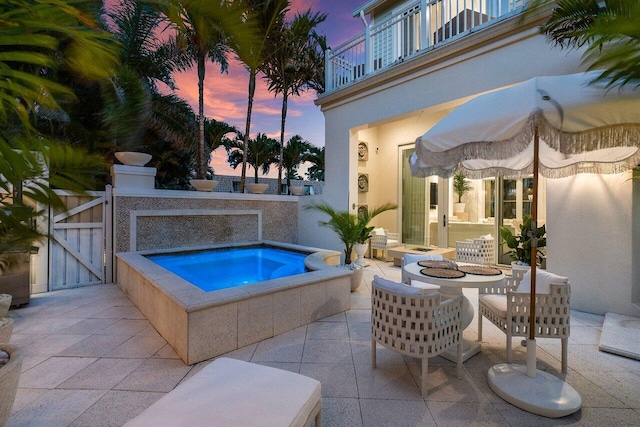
{"points": [[229, 392]]}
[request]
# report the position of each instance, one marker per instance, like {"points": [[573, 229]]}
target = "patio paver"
{"points": [[92, 360]]}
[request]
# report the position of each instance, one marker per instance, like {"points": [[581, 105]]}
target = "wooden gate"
{"points": [[78, 245]]}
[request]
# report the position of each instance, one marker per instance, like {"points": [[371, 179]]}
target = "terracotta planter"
{"points": [[203, 184], [254, 188], [133, 158], [9, 376]]}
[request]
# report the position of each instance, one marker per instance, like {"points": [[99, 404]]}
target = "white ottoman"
{"points": [[229, 392]]}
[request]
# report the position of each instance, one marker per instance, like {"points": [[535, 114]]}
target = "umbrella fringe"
{"points": [[619, 135]]}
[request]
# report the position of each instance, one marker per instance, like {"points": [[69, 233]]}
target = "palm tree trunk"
{"points": [[252, 90], [283, 118], [202, 164]]}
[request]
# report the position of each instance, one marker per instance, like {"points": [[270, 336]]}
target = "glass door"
{"points": [[472, 214], [515, 200], [419, 205]]}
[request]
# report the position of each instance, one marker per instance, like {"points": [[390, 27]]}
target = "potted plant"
{"points": [[461, 186], [351, 229], [520, 244]]}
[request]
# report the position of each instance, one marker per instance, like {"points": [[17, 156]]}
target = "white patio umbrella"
{"points": [[554, 126]]}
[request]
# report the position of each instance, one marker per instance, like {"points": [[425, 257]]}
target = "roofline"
{"points": [[367, 7]]}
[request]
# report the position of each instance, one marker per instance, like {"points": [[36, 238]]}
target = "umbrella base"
{"points": [[544, 394]]}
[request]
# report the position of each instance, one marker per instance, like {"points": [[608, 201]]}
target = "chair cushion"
{"points": [[495, 303], [378, 232], [427, 288], [411, 258], [392, 242], [395, 287], [543, 281], [229, 392]]}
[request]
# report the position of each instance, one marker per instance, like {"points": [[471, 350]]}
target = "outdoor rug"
{"points": [[621, 335]]}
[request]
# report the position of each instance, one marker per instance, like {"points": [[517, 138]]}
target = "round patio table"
{"points": [[453, 287]]}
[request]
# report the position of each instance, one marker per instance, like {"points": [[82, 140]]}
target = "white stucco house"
{"points": [[413, 63]]}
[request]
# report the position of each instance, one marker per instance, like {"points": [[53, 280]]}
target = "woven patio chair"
{"points": [[507, 307], [415, 324]]}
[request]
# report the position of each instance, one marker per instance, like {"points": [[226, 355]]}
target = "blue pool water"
{"points": [[217, 269]]}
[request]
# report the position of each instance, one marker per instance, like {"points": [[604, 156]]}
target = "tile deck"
{"points": [[91, 359]]}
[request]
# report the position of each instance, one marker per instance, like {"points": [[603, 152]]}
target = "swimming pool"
{"points": [[202, 324], [217, 269]]}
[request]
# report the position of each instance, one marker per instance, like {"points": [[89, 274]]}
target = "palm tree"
{"points": [[287, 69], [203, 38], [39, 38], [316, 158], [293, 155], [350, 228], [610, 31], [268, 16], [260, 153], [135, 26]]}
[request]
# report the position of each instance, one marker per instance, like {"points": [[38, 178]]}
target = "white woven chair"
{"points": [[507, 307], [382, 240], [477, 251], [405, 320]]}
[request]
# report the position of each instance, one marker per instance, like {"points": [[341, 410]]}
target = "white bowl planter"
{"points": [[203, 184], [254, 188], [297, 191], [133, 158]]}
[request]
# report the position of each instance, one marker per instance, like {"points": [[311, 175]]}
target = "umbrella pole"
{"points": [[534, 391], [531, 342]]}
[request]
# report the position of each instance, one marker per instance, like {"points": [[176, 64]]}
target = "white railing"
{"points": [[421, 25]]}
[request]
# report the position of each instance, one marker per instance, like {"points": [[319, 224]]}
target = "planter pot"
{"points": [[356, 278], [360, 249], [5, 303], [297, 191], [9, 376], [459, 207], [133, 158], [523, 267], [254, 188], [6, 327], [203, 184], [16, 281]]}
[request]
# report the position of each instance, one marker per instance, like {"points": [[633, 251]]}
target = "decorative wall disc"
{"points": [[363, 151], [363, 182], [362, 210]]}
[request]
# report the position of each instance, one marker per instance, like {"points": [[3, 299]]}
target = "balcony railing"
{"points": [[420, 26]]}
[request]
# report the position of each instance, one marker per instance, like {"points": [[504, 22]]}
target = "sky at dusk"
{"points": [[226, 94]]}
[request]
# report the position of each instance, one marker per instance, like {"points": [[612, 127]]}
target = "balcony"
{"points": [[412, 30]]}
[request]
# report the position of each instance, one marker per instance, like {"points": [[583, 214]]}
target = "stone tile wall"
{"points": [[200, 220]]}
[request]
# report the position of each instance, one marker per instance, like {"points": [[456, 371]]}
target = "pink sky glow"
{"points": [[226, 94]]}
